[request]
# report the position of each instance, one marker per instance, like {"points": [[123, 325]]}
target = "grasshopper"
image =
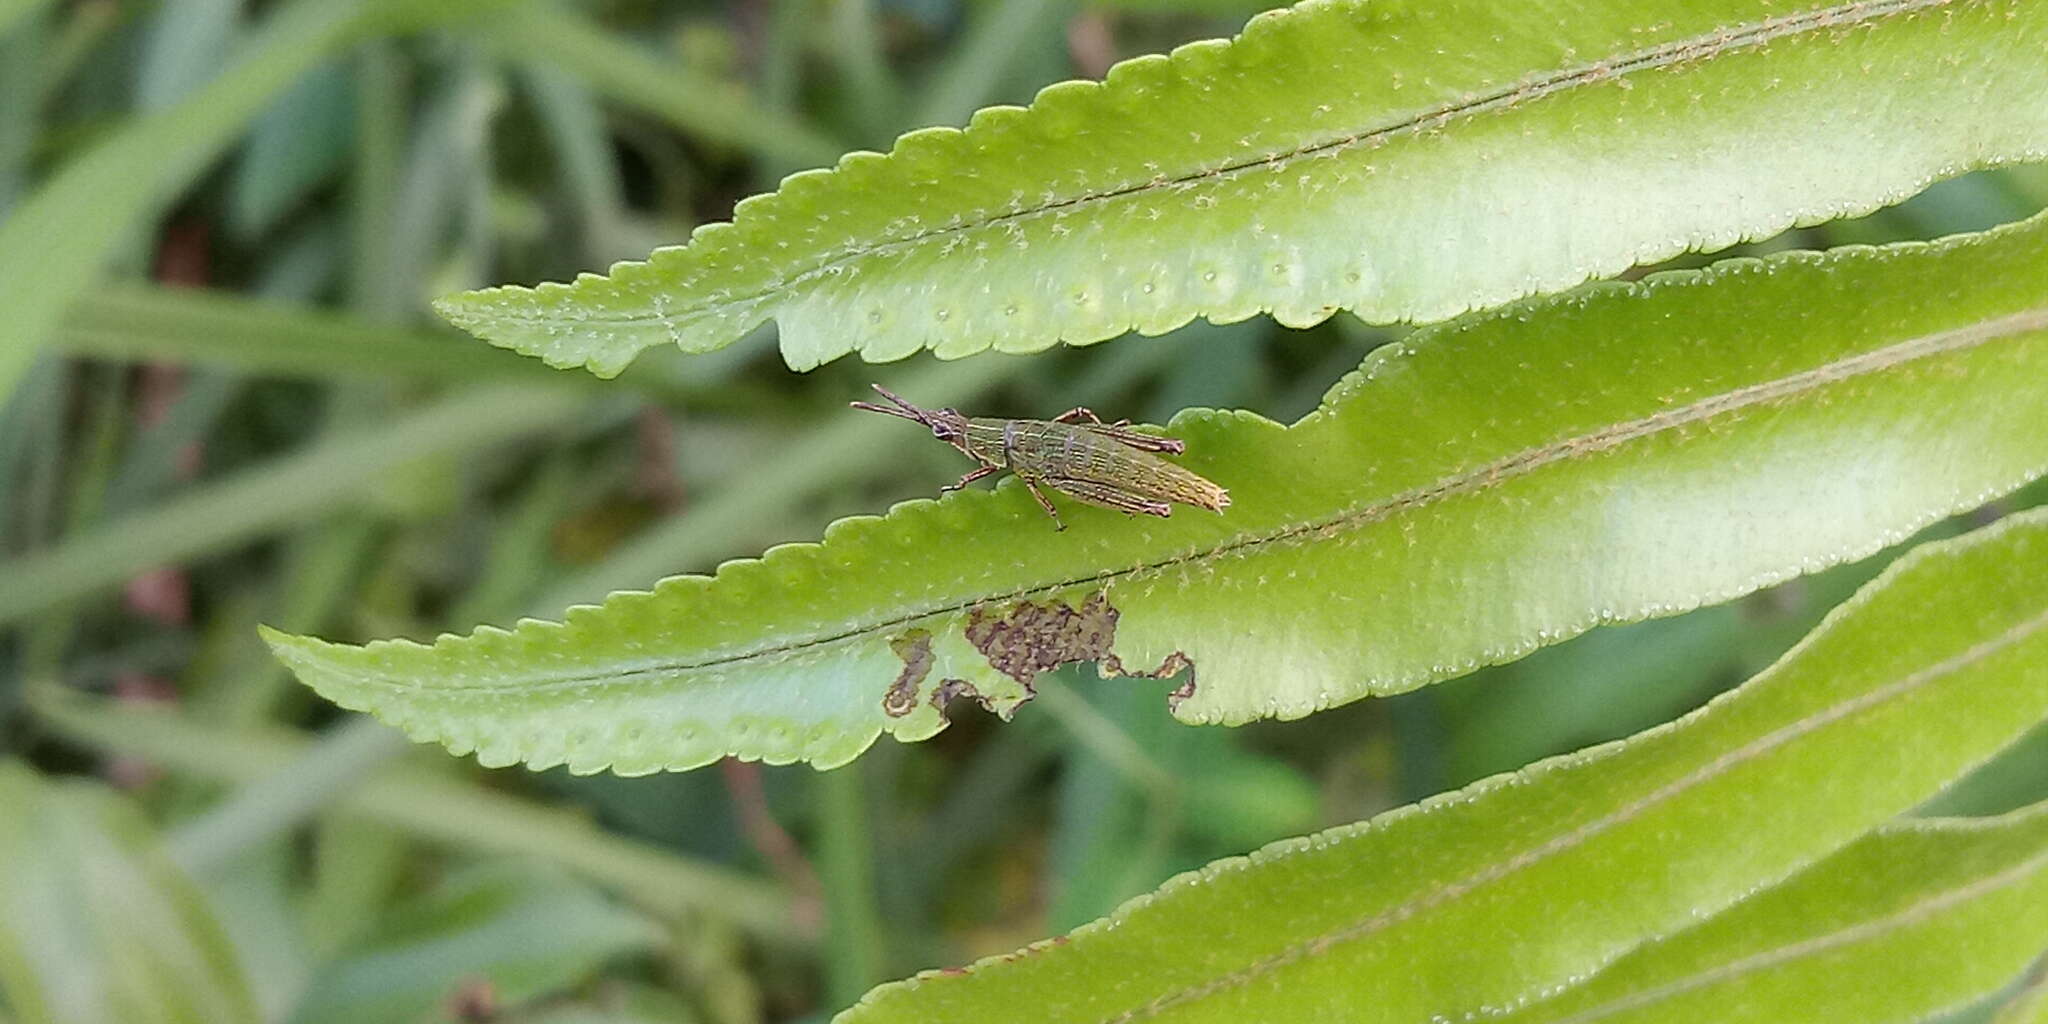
{"points": [[1074, 453]]}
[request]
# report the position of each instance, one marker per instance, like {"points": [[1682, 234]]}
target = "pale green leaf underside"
{"points": [[1404, 159], [1495, 484], [1493, 897], [96, 923]]}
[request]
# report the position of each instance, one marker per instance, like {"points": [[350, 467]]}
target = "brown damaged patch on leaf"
{"points": [[915, 648], [1173, 664], [1034, 638], [943, 695]]}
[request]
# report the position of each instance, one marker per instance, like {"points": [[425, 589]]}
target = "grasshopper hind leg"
{"points": [[1085, 418], [1110, 497], [1133, 439]]}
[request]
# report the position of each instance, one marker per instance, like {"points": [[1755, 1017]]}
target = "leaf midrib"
{"points": [[1701, 47], [1522, 463], [1448, 891], [1905, 917]]}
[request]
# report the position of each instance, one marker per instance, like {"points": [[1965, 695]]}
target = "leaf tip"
{"points": [[559, 324], [461, 308], [279, 641], [302, 655]]}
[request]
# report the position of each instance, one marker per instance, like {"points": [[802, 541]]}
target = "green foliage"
{"points": [[1405, 161], [219, 329], [53, 245], [100, 925], [203, 519], [183, 47], [12, 12], [435, 808], [291, 442], [551, 36], [292, 147], [1917, 917], [1524, 885], [1505, 481], [520, 931], [96, 923]]}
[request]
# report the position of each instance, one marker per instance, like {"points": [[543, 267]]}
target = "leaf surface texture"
{"points": [[1512, 890], [1404, 160], [1493, 485]]}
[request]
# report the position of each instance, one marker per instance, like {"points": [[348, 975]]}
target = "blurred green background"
{"points": [[242, 412]]}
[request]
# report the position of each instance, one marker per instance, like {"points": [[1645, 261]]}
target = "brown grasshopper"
{"points": [[1074, 453]]}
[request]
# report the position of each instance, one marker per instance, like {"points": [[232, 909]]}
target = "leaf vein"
{"points": [[1906, 917], [654, 671], [1720, 765], [1701, 47]]}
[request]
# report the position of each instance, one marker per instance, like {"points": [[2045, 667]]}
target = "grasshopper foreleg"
{"points": [[1110, 497], [968, 479]]}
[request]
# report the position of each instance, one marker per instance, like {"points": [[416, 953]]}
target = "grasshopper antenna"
{"points": [[900, 408]]}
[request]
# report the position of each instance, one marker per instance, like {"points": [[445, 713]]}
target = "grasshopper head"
{"points": [[946, 424]]}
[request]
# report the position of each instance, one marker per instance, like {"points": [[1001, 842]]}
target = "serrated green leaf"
{"points": [[1404, 160], [1499, 483], [1913, 919], [96, 924], [1520, 885]]}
